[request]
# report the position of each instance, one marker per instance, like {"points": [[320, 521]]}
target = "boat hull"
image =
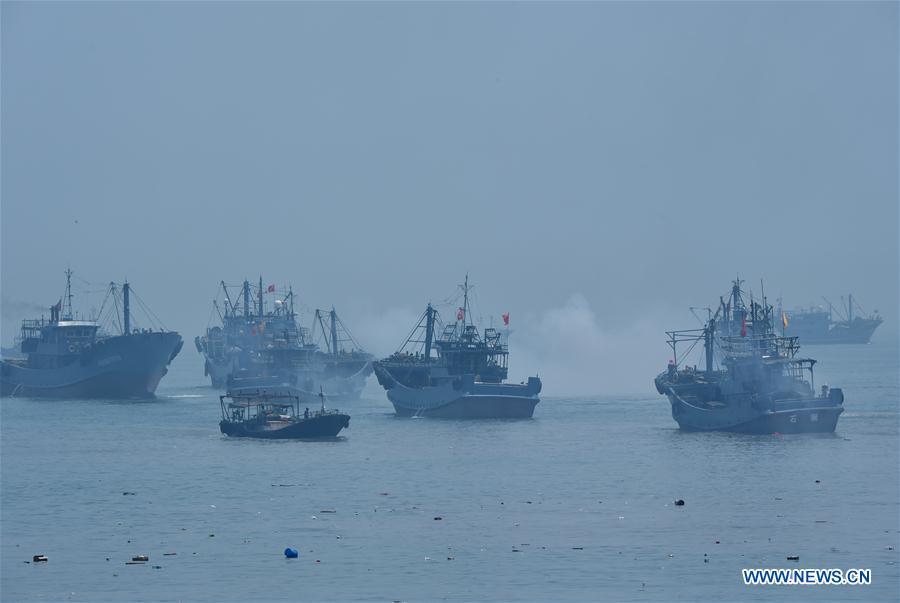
{"points": [[462, 398], [127, 366], [471, 407], [813, 416], [328, 426], [860, 331]]}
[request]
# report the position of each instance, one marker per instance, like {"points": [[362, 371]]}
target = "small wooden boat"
{"points": [[274, 414]]}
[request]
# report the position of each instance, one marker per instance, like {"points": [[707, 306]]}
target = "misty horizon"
{"points": [[598, 169]]}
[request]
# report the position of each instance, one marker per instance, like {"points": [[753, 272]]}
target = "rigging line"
{"points": [[412, 332], [103, 304], [147, 309], [688, 352], [347, 331]]}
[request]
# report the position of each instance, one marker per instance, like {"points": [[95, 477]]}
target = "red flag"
{"points": [[506, 319], [744, 325], [271, 289], [460, 314]]}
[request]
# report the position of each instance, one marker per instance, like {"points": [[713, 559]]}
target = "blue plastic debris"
{"points": [[291, 553]]}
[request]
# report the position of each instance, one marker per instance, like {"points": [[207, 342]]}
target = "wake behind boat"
{"points": [[274, 414]]}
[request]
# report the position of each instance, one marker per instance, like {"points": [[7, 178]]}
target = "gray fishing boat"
{"points": [[753, 380], [458, 375], [844, 324], [66, 356], [262, 345]]}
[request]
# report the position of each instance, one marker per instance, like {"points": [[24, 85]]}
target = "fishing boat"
{"points": [[753, 381], [71, 356], [274, 414], [457, 375], [844, 324], [261, 344]]}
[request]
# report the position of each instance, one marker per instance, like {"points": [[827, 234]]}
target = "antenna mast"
{"points": [[69, 292]]}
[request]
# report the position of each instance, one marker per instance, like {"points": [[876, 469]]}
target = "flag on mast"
{"points": [[784, 319], [506, 319], [271, 289], [460, 314]]}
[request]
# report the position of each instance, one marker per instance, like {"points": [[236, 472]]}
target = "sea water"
{"points": [[576, 504]]}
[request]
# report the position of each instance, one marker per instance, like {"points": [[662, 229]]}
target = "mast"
{"points": [[69, 293], [334, 340], [736, 293], [228, 304], [429, 330], [708, 333], [246, 292], [126, 307], [465, 300], [849, 307], [259, 293]]}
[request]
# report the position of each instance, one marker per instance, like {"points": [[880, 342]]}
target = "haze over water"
{"points": [[596, 168]]}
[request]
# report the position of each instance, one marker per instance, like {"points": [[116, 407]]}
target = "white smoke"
{"points": [[566, 346], [574, 355]]}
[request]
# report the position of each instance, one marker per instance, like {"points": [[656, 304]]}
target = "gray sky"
{"points": [[596, 167]]}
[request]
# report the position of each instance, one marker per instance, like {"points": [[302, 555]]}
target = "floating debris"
{"points": [[39, 558], [438, 518], [577, 548], [141, 558], [793, 558], [128, 493], [327, 511], [679, 502], [169, 554], [291, 553]]}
